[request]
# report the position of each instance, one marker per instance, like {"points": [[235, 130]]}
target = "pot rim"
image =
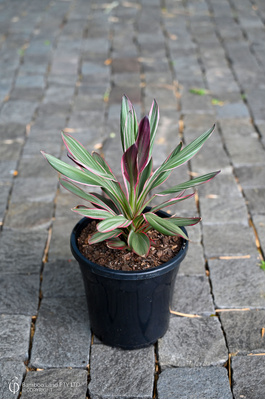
{"points": [[124, 275]]}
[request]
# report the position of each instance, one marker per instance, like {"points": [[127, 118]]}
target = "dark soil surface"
{"points": [[163, 248]]}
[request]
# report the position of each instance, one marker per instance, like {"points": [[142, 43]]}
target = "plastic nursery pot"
{"points": [[128, 309]]}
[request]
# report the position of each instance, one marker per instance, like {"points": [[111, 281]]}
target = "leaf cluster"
{"points": [[123, 224]]}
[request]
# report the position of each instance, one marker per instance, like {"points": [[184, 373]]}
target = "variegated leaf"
{"points": [[109, 224], [139, 243]]}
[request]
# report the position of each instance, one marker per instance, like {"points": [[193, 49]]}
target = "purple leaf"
{"points": [[143, 143], [129, 165]]}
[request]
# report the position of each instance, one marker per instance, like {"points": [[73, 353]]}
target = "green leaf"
{"points": [[179, 221], [114, 191], [139, 243], [94, 213], [128, 124], [92, 198], [154, 120], [189, 184], [262, 265], [100, 237], [84, 157], [117, 244], [199, 91], [144, 176], [101, 161], [109, 224], [187, 153], [171, 202], [164, 225], [73, 173]]}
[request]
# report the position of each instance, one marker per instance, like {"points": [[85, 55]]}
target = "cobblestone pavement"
{"points": [[66, 64]]}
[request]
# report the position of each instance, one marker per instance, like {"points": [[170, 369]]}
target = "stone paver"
{"points": [[62, 337], [193, 342], [194, 383], [62, 278], [237, 283], [56, 383], [244, 330], [192, 296], [117, 373], [64, 65], [248, 377], [15, 337], [26, 255], [11, 376]]}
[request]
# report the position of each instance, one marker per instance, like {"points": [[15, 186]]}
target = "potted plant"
{"points": [[128, 252]]}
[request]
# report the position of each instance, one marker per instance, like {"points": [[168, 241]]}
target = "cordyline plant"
{"points": [[123, 222]]}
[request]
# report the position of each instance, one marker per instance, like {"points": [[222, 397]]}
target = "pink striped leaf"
{"points": [[84, 158], [116, 244], [164, 225], [171, 202], [139, 243], [73, 173], [154, 116], [189, 184], [91, 197], [109, 224], [100, 237], [94, 213], [179, 221], [128, 124]]}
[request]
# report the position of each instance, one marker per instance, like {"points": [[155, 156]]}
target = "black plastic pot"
{"points": [[128, 309]]}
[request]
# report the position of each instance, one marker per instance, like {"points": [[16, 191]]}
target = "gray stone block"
{"points": [[237, 283], [11, 376], [62, 337], [59, 247], [245, 152], [223, 184], [194, 383], [35, 167], [243, 330], [25, 190], [192, 296], [55, 384], [227, 240], [193, 342], [25, 256], [248, 377], [17, 111], [10, 150], [194, 262], [14, 337], [223, 210], [30, 215], [255, 200], [12, 131], [117, 373], [62, 278], [251, 177], [19, 294], [233, 110]]}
